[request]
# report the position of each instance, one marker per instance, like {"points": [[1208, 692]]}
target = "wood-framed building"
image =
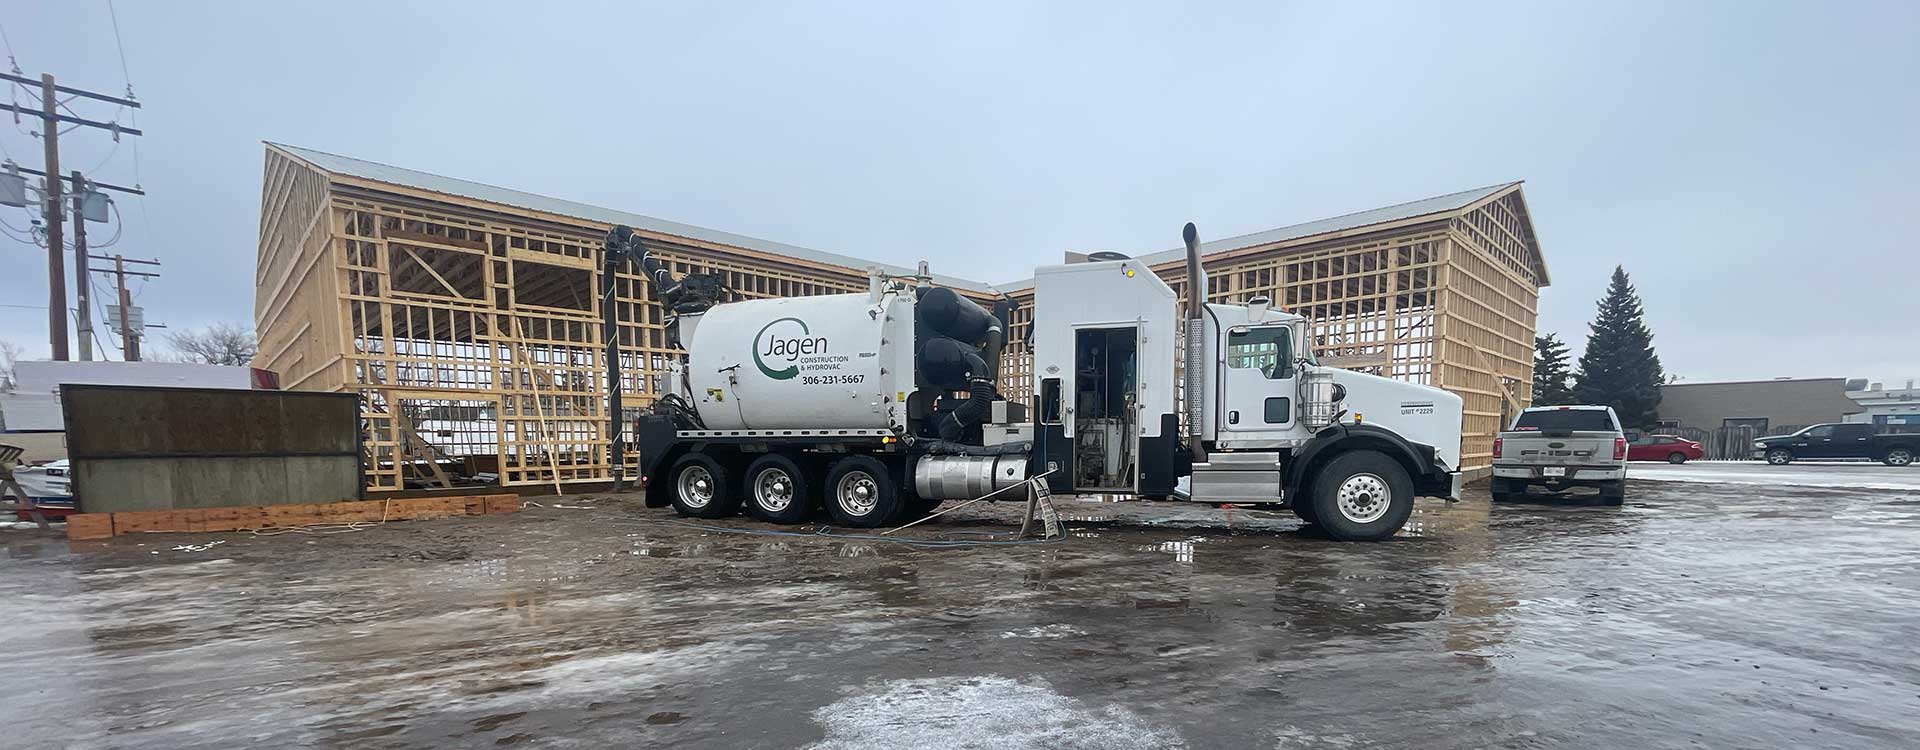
{"points": [[467, 316]]}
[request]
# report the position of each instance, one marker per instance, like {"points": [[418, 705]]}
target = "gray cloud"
{"points": [[1732, 156]]}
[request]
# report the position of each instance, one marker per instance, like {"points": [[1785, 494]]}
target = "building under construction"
{"points": [[468, 319]]}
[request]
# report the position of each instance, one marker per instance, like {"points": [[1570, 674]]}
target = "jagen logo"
{"points": [[789, 348]]}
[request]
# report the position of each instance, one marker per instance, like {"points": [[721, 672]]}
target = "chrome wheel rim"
{"points": [[1364, 498], [857, 493], [696, 487], [1900, 457], [1777, 457], [773, 490]]}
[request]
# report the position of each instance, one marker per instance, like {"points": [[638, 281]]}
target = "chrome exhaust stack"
{"points": [[1195, 354]]}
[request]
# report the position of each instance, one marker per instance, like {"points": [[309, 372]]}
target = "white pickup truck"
{"points": [[1559, 447]]}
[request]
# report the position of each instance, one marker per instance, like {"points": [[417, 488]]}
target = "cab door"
{"points": [[1818, 442], [1257, 375], [1852, 440]]}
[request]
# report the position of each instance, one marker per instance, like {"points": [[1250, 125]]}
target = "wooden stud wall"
{"points": [[474, 327]]}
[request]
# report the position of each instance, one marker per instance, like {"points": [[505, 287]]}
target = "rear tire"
{"points": [[861, 493], [777, 490], [1898, 457], [1676, 457], [1504, 491], [1362, 496], [1614, 493], [1779, 457], [699, 486]]}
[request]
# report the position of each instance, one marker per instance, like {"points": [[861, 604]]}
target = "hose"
{"points": [[979, 403]]}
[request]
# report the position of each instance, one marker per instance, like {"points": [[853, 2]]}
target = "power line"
{"points": [[125, 77], [9, 40]]}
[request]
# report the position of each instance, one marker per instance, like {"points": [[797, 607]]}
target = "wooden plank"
{"points": [[503, 503], [89, 526], [237, 519], [155, 521]]}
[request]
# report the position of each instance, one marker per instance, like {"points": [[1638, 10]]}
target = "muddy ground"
{"points": [[1699, 615]]}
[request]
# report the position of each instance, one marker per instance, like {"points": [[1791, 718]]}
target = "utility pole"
{"points": [[129, 338], [56, 217], [55, 210], [82, 281]]}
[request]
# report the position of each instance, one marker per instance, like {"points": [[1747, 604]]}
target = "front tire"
{"points": [[777, 490], [700, 488], [1676, 457], [1362, 496], [1898, 457], [861, 493], [1779, 457]]}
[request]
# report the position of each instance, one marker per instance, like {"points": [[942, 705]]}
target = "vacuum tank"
{"points": [[835, 362]]}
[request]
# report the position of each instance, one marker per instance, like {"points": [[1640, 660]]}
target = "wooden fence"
{"points": [[1728, 443]]}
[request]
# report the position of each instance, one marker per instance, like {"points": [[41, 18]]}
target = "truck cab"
{"points": [[1109, 361]]}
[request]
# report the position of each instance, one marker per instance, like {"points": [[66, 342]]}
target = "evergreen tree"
{"points": [[1551, 386], [1619, 367]]}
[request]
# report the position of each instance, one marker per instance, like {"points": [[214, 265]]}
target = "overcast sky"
{"points": [[1753, 165]]}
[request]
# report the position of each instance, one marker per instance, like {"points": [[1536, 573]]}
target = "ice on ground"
{"points": [[986, 713], [1839, 476]]}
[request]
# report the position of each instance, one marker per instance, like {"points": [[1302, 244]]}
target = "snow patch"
{"points": [[1045, 631], [1775, 476], [982, 713]]}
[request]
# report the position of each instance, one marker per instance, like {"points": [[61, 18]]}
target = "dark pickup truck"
{"points": [[1839, 440]]}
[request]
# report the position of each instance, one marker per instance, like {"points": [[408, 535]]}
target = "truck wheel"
{"points": [[1362, 496], [1614, 492], [1676, 457], [1304, 509], [700, 487], [1779, 457], [861, 493], [1501, 490], [1898, 457], [777, 490]]}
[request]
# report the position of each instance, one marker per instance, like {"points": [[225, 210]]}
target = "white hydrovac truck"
{"points": [[877, 407]]}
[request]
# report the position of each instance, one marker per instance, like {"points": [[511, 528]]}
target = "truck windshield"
{"points": [[1564, 419]]}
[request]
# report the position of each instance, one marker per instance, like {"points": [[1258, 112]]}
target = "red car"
{"points": [[1673, 450]]}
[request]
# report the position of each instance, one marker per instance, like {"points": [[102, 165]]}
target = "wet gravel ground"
{"points": [[1699, 615]]}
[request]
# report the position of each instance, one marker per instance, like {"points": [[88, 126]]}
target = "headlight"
{"points": [[1757, 444]]}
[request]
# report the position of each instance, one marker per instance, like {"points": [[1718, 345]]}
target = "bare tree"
{"points": [[9, 354], [217, 344]]}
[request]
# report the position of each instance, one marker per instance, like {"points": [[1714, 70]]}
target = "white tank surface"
{"points": [[814, 363]]}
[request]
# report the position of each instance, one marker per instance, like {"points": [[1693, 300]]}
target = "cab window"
{"points": [[1269, 350], [1823, 431]]}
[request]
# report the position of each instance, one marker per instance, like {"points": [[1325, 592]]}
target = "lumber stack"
{"points": [[246, 517]]}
